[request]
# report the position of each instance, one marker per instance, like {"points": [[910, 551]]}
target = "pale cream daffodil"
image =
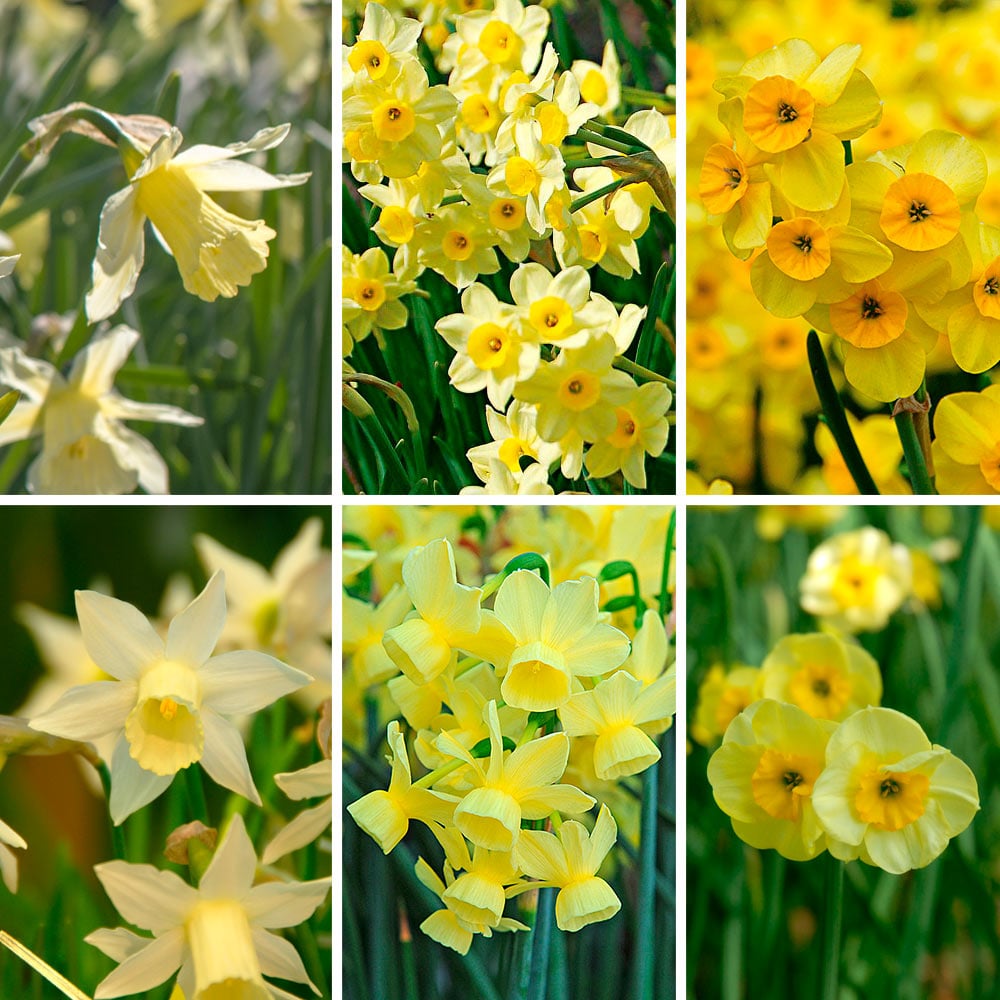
{"points": [[219, 935], [167, 703], [85, 446], [216, 251]]}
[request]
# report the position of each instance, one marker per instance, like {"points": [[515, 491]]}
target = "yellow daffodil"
{"points": [[371, 294], [515, 436], [521, 785], [722, 695], [557, 634], [219, 936], [615, 712], [384, 43], [457, 243], [364, 626], [822, 674], [600, 85], [570, 862], [216, 251], [966, 446], [558, 308], [165, 706], [855, 580], [85, 446], [577, 391], [764, 774], [890, 797]]}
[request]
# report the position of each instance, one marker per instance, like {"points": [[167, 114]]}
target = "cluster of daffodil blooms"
{"points": [[892, 257], [463, 174], [522, 702], [809, 760], [147, 700]]}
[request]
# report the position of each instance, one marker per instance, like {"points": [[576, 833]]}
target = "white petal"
{"points": [[301, 830], [23, 422], [8, 868], [194, 632], [135, 453], [225, 758], [32, 376], [132, 786], [231, 871], [235, 175], [120, 408], [117, 944], [298, 554], [278, 957], [266, 138], [277, 904], [7, 265], [146, 896], [243, 681], [96, 366], [121, 248], [89, 711], [117, 636], [309, 782], [247, 582], [145, 969]]}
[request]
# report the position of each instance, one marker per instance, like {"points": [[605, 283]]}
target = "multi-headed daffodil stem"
{"points": [[617, 135], [591, 196], [831, 929], [438, 773], [598, 139], [587, 161], [527, 560], [910, 416], [623, 364], [836, 418]]}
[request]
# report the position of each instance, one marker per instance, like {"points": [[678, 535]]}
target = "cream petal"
{"points": [[132, 786], [243, 682], [235, 175], [95, 367], [156, 963], [89, 711], [247, 582], [278, 957], [145, 896], [23, 422], [309, 782], [520, 604], [117, 636], [301, 830], [299, 554], [541, 856], [194, 631], [231, 871], [225, 758], [285, 905], [121, 249], [117, 943], [120, 408]]}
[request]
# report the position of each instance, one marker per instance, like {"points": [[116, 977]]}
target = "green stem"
{"points": [[836, 417], [539, 971], [600, 140], [593, 196], [916, 463], [638, 95], [665, 575], [195, 792], [623, 364], [587, 161], [117, 833], [645, 958], [439, 772], [832, 928]]}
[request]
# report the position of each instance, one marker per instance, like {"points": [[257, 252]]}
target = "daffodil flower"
{"points": [[167, 702], [219, 935], [85, 446], [570, 862], [216, 251]]}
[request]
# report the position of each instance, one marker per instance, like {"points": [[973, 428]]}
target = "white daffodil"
{"points": [[216, 251], [287, 611], [218, 935], [167, 704], [85, 446]]}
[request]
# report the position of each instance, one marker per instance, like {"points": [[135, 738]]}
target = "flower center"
{"points": [[799, 248], [872, 317], [820, 689], [457, 246], [164, 731], [777, 114], [891, 800], [393, 122], [488, 346], [552, 317], [920, 212], [781, 782]]}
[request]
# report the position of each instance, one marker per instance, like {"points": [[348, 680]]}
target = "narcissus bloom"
{"points": [[557, 634], [216, 251], [722, 695], [570, 861], [822, 674], [890, 797], [856, 580], [617, 712], [515, 786], [966, 446], [85, 446], [219, 935], [165, 706], [763, 777]]}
